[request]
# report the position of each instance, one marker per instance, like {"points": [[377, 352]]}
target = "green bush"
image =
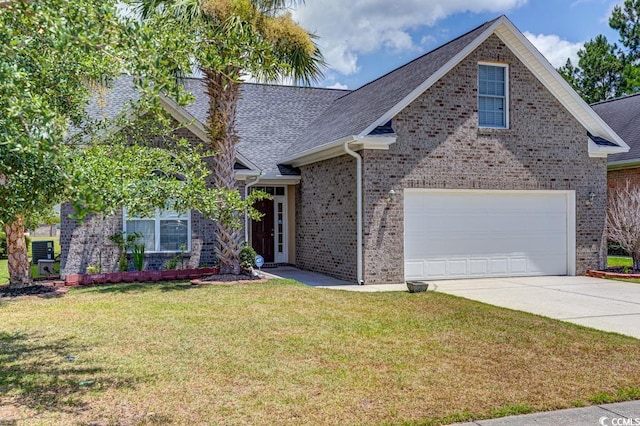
{"points": [[247, 257]]}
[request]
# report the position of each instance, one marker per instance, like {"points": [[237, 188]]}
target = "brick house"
{"points": [[474, 160]]}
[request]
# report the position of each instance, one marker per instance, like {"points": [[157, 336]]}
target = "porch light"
{"points": [[592, 197], [392, 196]]}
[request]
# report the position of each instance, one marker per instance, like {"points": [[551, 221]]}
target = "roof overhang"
{"points": [[538, 65], [185, 118], [336, 148], [623, 164]]}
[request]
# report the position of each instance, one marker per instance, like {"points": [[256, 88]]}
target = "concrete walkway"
{"points": [[618, 414], [593, 302], [315, 279]]}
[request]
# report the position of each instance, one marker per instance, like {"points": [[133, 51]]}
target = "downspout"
{"points": [[246, 212], [358, 208]]}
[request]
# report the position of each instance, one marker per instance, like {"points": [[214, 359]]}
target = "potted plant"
{"points": [[417, 286]]}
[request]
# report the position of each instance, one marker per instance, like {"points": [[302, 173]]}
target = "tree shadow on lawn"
{"points": [[124, 288], [50, 375]]}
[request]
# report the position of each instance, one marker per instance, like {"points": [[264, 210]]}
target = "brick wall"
{"points": [[620, 177], [439, 145], [89, 244], [326, 218]]}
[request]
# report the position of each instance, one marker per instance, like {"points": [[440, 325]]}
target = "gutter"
{"points": [[358, 208], [246, 213]]}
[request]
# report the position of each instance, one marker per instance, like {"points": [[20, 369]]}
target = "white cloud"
{"points": [[347, 30], [556, 50], [338, 86]]}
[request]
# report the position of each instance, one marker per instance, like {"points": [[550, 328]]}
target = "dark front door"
{"points": [[262, 230]]}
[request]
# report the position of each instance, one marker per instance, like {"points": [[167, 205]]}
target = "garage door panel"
{"points": [[480, 233]]}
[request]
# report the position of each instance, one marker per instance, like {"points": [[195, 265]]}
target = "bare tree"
{"points": [[623, 219]]}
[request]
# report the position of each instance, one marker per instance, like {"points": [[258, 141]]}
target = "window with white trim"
{"points": [[167, 231], [493, 96]]}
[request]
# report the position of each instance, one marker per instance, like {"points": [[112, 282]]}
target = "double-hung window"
{"points": [[167, 231], [493, 96]]}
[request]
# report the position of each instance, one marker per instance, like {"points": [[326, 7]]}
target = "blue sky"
{"points": [[364, 39]]}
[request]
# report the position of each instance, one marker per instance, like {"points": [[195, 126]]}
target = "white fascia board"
{"points": [[279, 180], [335, 149], [375, 142], [555, 83], [245, 174], [311, 155], [183, 116], [599, 151], [433, 78]]}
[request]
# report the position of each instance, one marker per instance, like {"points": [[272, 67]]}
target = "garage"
{"points": [[451, 234]]}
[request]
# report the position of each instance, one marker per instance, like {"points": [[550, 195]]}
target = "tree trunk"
{"points": [[224, 94], [18, 263]]}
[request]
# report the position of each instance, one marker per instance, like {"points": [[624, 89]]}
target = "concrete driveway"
{"points": [[602, 304]]}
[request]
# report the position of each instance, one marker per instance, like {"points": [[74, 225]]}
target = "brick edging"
{"points": [[603, 274]]}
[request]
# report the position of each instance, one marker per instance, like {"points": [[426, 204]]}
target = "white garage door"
{"points": [[467, 234]]}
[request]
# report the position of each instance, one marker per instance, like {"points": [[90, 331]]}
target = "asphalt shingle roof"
{"points": [[623, 116], [354, 112]]}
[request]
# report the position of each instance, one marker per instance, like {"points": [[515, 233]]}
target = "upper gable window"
{"points": [[493, 96]]}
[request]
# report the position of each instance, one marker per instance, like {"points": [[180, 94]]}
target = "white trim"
{"points": [[244, 174], [432, 79], [309, 156], [285, 226], [599, 151], [359, 213], [555, 83], [507, 106], [279, 180], [535, 62], [335, 149], [570, 198], [280, 257], [187, 216]]}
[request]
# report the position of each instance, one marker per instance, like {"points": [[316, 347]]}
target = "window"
{"points": [[492, 96], [167, 231]]}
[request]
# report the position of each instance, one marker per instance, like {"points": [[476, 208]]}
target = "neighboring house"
{"points": [[623, 116], [474, 160]]}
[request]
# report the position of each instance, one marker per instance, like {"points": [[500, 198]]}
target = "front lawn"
{"points": [[613, 261], [283, 353]]}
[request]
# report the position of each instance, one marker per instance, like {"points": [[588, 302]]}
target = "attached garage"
{"points": [[452, 234]]}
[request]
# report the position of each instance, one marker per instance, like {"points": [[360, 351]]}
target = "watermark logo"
{"points": [[619, 421]]}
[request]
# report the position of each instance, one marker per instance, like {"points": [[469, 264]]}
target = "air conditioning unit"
{"points": [[41, 250]]}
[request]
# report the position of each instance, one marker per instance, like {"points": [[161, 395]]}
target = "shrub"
{"points": [[247, 257]]}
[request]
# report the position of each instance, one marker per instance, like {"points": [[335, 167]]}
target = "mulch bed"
{"points": [[51, 289], [34, 290]]}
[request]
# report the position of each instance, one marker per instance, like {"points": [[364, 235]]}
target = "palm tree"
{"points": [[235, 39]]}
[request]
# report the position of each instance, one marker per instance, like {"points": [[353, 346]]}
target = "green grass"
{"points": [[283, 353], [613, 261]]}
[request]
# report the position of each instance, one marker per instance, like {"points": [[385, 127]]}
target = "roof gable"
{"points": [[623, 116], [356, 115]]}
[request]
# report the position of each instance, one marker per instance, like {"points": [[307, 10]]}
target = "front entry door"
{"points": [[262, 231]]}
